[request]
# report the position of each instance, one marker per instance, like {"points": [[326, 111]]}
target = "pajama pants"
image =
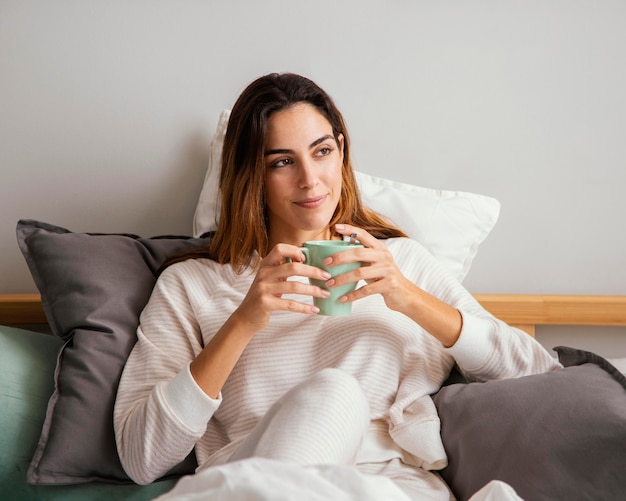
{"points": [[308, 441]]}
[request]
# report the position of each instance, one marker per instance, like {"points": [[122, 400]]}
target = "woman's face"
{"points": [[303, 164]]}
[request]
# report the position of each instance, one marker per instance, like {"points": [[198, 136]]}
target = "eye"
{"points": [[324, 151], [282, 162]]}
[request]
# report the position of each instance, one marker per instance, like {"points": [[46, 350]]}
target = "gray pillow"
{"points": [[560, 435], [93, 288]]}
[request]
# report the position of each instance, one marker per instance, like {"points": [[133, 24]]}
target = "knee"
{"points": [[336, 380], [338, 388]]}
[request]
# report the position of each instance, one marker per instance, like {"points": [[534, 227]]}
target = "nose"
{"points": [[309, 176]]}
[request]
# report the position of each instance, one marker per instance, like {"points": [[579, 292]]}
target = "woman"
{"points": [[232, 358]]}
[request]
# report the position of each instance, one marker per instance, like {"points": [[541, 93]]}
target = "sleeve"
{"points": [[160, 411], [487, 348], [490, 349]]}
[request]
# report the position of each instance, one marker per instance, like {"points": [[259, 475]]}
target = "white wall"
{"points": [[107, 108]]}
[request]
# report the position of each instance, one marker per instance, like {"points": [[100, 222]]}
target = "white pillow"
{"points": [[208, 208], [450, 224]]}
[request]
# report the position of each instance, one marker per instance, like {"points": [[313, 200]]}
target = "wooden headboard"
{"points": [[526, 311]]}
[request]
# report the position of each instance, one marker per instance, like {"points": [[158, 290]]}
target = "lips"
{"points": [[311, 203]]}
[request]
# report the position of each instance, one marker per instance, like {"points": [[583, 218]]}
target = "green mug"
{"points": [[315, 252]]}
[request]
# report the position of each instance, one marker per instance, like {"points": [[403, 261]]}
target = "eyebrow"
{"points": [[285, 151]]}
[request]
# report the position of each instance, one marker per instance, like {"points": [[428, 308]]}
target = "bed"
{"points": [[551, 436], [29, 354]]}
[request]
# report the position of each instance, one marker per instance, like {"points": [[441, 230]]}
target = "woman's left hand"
{"points": [[382, 275], [379, 271]]}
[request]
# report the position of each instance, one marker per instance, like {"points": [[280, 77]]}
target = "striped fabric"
{"points": [[161, 414]]}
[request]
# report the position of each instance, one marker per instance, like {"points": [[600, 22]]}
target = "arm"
{"points": [[216, 361], [483, 346], [172, 381], [160, 413]]}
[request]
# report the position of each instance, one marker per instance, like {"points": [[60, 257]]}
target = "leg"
{"points": [[320, 421]]}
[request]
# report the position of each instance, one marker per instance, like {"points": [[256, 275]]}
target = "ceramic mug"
{"points": [[315, 252]]}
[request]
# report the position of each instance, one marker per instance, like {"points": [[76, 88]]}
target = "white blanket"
{"points": [[266, 479], [259, 479]]}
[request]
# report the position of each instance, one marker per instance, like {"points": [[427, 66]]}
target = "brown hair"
{"points": [[243, 224]]}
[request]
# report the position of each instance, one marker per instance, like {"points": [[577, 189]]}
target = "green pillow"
{"points": [[27, 362]]}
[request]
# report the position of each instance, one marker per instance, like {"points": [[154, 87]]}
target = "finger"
{"points": [[366, 256], [275, 303], [298, 307], [282, 253], [294, 268], [280, 273], [367, 290], [306, 270], [368, 274], [361, 235], [281, 290], [297, 288]]}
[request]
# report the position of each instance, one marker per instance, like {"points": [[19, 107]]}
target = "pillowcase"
{"points": [[559, 435], [93, 288], [450, 224], [28, 361]]}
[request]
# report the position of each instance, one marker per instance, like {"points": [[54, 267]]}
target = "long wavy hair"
{"points": [[243, 225]]}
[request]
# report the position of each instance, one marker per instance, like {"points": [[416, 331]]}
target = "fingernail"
{"points": [[340, 226], [325, 293], [343, 299], [326, 275], [327, 260], [315, 309], [330, 283]]}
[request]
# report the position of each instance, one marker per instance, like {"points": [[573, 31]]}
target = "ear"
{"points": [[340, 145]]}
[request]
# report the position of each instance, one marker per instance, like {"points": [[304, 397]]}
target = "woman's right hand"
{"points": [[270, 284], [216, 361]]}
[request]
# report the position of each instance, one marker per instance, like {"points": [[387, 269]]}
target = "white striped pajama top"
{"points": [[161, 414]]}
